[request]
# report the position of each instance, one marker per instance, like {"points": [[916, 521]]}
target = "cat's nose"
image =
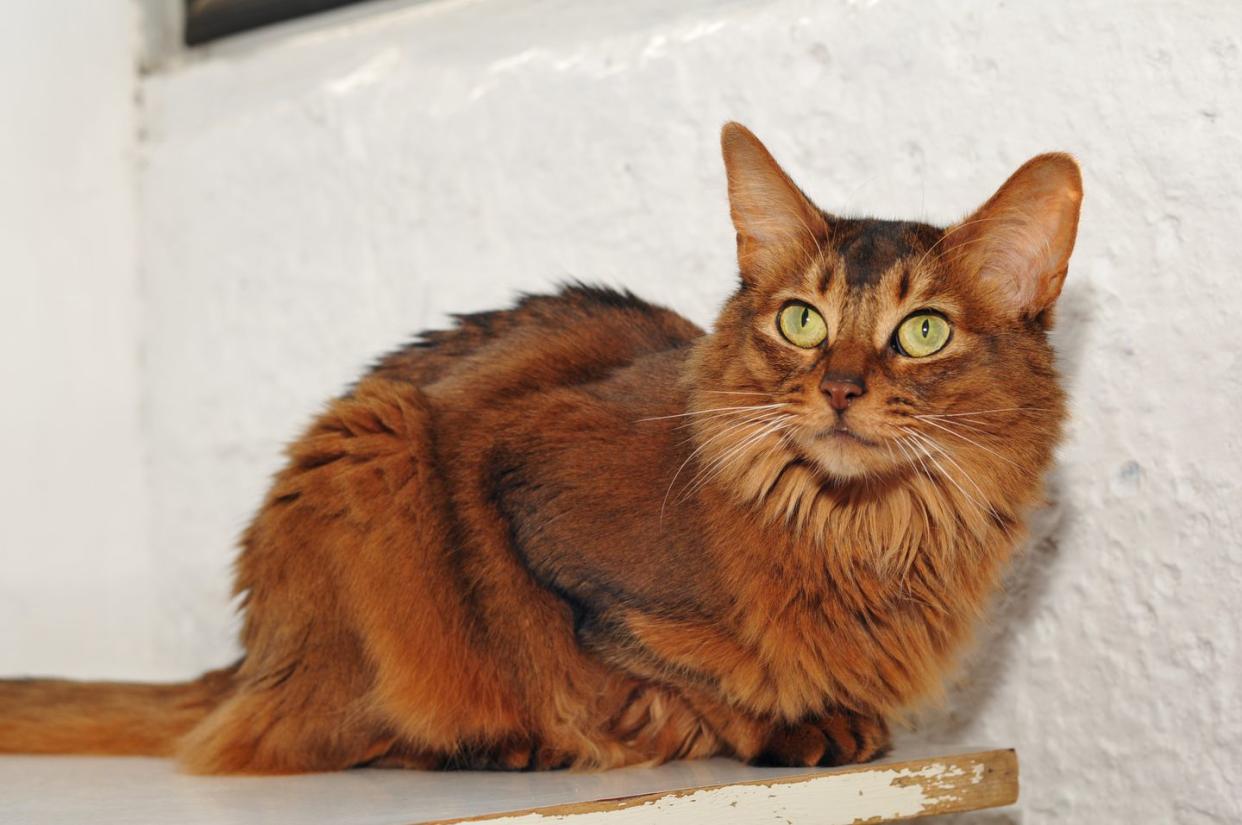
{"points": [[841, 390]]}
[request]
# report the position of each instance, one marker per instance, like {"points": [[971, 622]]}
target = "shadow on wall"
{"points": [[1026, 585]]}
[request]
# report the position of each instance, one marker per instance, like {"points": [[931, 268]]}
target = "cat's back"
{"points": [[578, 335]]}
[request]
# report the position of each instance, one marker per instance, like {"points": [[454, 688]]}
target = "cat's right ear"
{"points": [[775, 222]]}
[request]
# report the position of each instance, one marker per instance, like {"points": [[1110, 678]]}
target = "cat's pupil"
{"points": [[926, 327], [806, 316]]}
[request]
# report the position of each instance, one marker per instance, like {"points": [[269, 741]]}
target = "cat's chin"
{"points": [[842, 468], [843, 455]]}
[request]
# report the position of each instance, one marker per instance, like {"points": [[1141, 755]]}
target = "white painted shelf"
{"points": [[48, 790]]}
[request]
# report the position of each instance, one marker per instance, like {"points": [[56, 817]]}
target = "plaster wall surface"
{"points": [[310, 197], [75, 583]]}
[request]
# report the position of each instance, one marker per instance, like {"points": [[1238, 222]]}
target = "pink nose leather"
{"points": [[841, 392]]}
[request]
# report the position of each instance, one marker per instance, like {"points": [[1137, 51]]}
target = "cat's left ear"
{"points": [[1018, 244], [775, 222]]}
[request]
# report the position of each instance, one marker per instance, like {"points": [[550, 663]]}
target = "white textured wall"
{"points": [[307, 200], [74, 572]]}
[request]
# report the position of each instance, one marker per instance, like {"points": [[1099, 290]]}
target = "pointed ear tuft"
{"points": [[1019, 242], [772, 217]]}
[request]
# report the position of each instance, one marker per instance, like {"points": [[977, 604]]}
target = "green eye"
{"points": [[802, 326], [923, 334]]}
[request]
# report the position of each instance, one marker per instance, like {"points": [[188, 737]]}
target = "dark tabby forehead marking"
{"points": [[825, 278], [869, 247], [903, 287]]}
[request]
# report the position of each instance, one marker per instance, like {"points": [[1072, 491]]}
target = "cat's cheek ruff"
{"points": [[910, 544]]}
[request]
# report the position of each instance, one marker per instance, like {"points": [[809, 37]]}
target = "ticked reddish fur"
{"points": [[581, 532]]}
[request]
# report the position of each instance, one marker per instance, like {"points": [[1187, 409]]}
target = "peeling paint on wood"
{"points": [[884, 792]]}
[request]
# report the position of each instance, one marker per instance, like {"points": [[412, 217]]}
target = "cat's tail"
{"points": [[58, 716]]}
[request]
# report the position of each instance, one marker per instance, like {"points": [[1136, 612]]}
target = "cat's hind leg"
{"points": [[287, 729]]}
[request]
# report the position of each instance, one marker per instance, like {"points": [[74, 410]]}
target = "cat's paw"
{"points": [[800, 745], [853, 737], [839, 738], [521, 754]]}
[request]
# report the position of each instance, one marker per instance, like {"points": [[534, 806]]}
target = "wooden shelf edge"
{"points": [[888, 791]]}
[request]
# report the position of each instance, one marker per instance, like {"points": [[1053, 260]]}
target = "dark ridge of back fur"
{"points": [[424, 358]]}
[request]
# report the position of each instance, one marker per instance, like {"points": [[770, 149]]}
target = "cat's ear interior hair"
{"points": [[773, 219], [1018, 244]]}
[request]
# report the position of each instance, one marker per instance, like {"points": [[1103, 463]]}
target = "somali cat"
{"points": [[581, 532]]}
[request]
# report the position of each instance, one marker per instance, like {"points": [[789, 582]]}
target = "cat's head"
{"points": [[869, 349]]}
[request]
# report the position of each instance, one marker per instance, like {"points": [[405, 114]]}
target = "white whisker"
{"points": [[919, 442], [693, 422], [976, 443], [736, 392], [958, 422], [965, 475], [721, 463], [751, 438], [949, 457], [904, 445], [922, 509], [717, 409], [735, 425], [997, 410]]}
